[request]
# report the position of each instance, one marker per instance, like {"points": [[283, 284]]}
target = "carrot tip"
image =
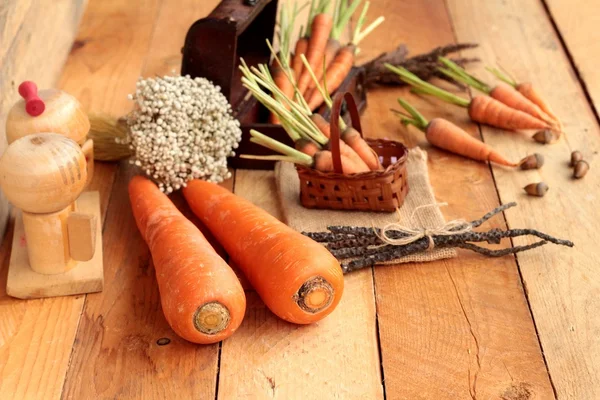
{"points": [[316, 294], [211, 318]]}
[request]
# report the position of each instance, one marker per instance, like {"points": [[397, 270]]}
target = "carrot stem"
{"points": [[427, 88], [502, 76], [342, 17], [279, 147], [417, 118], [459, 74]]}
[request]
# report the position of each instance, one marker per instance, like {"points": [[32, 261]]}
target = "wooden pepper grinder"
{"points": [[50, 110], [56, 239]]}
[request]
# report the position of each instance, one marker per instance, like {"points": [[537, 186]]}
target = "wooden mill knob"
{"points": [[43, 173], [50, 110]]}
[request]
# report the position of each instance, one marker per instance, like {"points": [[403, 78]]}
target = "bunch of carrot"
{"points": [[309, 131], [329, 60], [503, 106], [202, 298]]}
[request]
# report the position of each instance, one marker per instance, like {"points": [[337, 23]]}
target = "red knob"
{"points": [[33, 104]]}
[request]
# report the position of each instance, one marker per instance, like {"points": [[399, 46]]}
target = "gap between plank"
{"points": [[381, 369], [571, 59], [491, 169]]}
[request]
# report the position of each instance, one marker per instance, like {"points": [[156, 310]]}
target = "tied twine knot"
{"points": [[412, 234]]}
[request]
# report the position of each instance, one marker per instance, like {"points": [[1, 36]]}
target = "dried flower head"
{"points": [[181, 129]]}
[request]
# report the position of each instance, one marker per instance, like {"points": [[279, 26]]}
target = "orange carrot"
{"points": [[298, 279], [306, 146], [335, 75], [527, 90], [482, 109], [201, 297], [301, 47], [447, 136], [323, 161], [508, 95], [283, 83], [331, 50], [355, 141], [320, 30], [487, 110], [345, 149]]}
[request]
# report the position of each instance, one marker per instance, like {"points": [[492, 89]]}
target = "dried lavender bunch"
{"points": [[425, 66], [181, 129], [363, 246]]}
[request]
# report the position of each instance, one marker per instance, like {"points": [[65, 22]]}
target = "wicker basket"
{"points": [[383, 190]]}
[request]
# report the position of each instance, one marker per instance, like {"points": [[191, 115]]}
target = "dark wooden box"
{"points": [[213, 48]]}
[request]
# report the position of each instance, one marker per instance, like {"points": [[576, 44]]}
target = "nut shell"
{"points": [[63, 115], [43, 173]]}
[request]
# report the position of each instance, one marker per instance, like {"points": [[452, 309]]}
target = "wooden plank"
{"points": [[457, 328], [577, 21], [562, 284], [117, 353], [36, 347], [334, 358], [35, 38]]}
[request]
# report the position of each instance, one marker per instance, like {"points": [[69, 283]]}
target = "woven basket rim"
{"points": [[367, 174]]}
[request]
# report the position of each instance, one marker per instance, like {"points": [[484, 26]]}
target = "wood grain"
{"points": [[36, 348], [457, 328], [576, 20], [334, 358], [562, 284], [49, 28], [117, 352]]}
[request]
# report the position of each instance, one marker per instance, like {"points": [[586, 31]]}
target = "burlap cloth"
{"points": [[420, 193]]}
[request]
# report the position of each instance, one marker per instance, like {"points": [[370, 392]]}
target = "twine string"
{"points": [[413, 233]]}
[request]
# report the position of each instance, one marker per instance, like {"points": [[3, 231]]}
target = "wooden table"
{"points": [[471, 327]]}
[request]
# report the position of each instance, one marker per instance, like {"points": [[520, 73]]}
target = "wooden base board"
{"points": [[86, 277]]}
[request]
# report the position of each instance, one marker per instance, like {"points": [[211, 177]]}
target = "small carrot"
{"points": [[447, 136], [527, 90], [201, 297], [297, 278], [283, 83], [502, 92], [321, 160], [320, 30], [483, 109], [300, 49], [343, 62]]}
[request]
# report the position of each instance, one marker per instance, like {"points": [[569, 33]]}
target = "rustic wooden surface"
{"points": [[521, 327]]}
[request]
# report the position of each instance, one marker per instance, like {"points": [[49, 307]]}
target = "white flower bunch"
{"points": [[181, 129]]}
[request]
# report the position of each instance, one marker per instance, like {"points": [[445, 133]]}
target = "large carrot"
{"points": [[447, 136], [320, 30], [483, 109], [502, 92], [297, 278], [201, 297]]}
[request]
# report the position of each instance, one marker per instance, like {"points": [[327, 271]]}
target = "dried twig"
{"points": [[363, 247], [425, 66]]}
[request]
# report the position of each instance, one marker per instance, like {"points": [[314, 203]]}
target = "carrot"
{"points": [[306, 146], [283, 83], [447, 136], [301, 47], [354, 140], [321, 160], [502, 92], [331, 50], [297, 279], [346, 147], [481, 109], [527, 90], [201, 297], [335, 75], [489, 111], [320, 30]]}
